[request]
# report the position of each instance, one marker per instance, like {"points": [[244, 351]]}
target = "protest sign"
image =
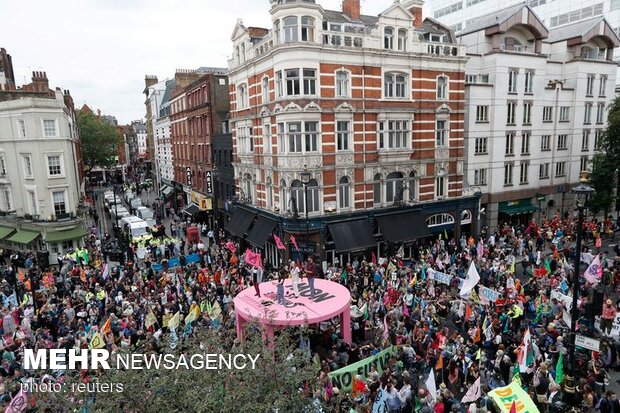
{"points": [[343, 378], [505, 396]]}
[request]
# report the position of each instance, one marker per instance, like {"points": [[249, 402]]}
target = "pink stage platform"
{"points": [[331, 299]]}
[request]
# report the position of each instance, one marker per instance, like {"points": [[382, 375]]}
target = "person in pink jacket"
{"points": [[607, 319]]}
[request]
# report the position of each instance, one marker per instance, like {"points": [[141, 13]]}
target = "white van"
{"points": [[135, 226], [144, 213], [136, 203]]}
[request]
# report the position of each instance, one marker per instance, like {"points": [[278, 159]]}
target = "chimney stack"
{"points": [[415, 8], [351, 8], [150, 80], [40, 82]]}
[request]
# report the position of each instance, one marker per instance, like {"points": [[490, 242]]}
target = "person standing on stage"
{"points": [[295, 271], [310, 273]]}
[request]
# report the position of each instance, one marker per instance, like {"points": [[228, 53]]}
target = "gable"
{"points": [[396, 11], [238, 31]]}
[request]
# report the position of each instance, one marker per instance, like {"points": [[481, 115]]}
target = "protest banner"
{"points": [[487, 294], [343, 378], [505, 396]]}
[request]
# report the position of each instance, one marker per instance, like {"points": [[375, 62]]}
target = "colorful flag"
{"points": [[513, 407], [559, 370], [431, 385], [193, 315], [439, 364], [174, 321], [96, 341], [19, 403], [150, 319], [294, 241], [474, 393], [107, 327], [594, 272], [374, 259], [20, 275], [524, 355], [477, 337], [516, 375], [547, 266], [480, 249], [214, 310], [230, 246], [405, 310], [478, 354], [468, 312], [472, 280], [401, 251], [279, 243], [253, 258], [385, 328], [106, 271]]}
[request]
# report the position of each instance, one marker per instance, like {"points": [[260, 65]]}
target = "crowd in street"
{"points": [[472, 335]]}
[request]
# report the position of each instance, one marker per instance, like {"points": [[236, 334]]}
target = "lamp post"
{"points": [[305, 177], [581, 192]]}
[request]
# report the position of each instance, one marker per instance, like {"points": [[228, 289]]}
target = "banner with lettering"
{"points": [[488, 295], [343, 378], [505, 396], [442, 278]]}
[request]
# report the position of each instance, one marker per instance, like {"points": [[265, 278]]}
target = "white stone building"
{"points": [[41, 179], [536, 107], [163, 142]]}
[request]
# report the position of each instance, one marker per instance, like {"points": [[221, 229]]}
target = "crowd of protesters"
{"points": [[465, 340]]}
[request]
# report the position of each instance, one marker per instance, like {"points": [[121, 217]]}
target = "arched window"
{"points": [[342, 84], [412, 186], [265, 90], [510, 43], [307, 29], [376, 189], [344, 193], [291, 29], [394, 187], [269, 194], [247, 187], [442, 87], [298, 199], [439, 219], [388, 38], [402, 40], [394, 85], [297, 196], [276, 30], [466, 217], [313, 196]]}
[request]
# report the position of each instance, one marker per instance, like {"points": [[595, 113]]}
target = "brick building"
{"points": [[198, 106], [364, 114]]}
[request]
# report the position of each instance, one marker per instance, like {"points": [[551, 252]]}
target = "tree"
{"points": [[605, 163], [100, 141], [282, 381]]}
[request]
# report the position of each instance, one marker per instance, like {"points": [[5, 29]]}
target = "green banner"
{"points": [[343, 378], [505, 396]]}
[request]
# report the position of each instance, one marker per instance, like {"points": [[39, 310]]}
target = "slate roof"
{"points": [[572, 30], [491, 19]]}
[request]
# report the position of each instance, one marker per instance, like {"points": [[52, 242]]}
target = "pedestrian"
{"points": [[295, 271], [310, 272]]}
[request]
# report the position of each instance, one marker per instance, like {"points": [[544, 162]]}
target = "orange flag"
{"points": [[477, 336], [468, 312], [83, 276], [439, 364], [20, 275], [107, 326]]}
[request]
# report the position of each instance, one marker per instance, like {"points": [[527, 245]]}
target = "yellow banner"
{"points": [[504, 396]]}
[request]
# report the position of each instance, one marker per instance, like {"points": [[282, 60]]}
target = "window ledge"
{"points": [[482, 121], [525, 154], [510, 155], [524, 183], [564, 121], [560, 176], [547, 121], [508, 185], [481, 153], [546, 150], [528, 93], [527, 124]]}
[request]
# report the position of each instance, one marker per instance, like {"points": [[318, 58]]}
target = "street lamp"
{"points": [[581, 192], [305, 177]]}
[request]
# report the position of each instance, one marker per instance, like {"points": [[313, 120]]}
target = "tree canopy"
{"points": [[605, 163], [100, 141]]}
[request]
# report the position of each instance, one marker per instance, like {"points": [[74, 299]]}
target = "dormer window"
{"points": [[291, 30], [402, 40], [307, 29], [388, 38]]}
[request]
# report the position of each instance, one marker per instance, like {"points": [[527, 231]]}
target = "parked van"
{"points": [[136, 203], [135, 226]]}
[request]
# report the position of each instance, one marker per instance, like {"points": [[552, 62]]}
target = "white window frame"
{"points": [[480, 176], [388, 39], [545, 142], [548, 114], [543, 171], [393, 134], [6, 199], [508, 174], [482, 113], [45, 135], [584, 163], [480, 146], [443, 88], [590, 85], [21, 126], [33, 204], [511, 113], [265, 90], [585, 140], [3, 172], [343, 86], [266, 138], [53, 203], [527, 113], [291, 31], [526, 138], [242, 96], [510, 144], [587, 113], [440, 187], [560, 169], [28, 167], [564, 114], [562, 142], [392, 88], [62, 165], [442, 136], [343, 136], [524, 172], [600, 113], [513, 76], [529, 82], [402, 39], [344, 193], [602, 86], [310, 83]]}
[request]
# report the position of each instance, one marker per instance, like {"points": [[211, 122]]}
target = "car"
{"points": [[144, 213], [118, 211], [135, 226], [129, 195], [136, 203]]}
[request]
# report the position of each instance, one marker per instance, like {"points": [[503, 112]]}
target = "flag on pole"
{"points": [[478, 354], [516, 376], [513, 407], [19, 403], [468, 312], [524, 355], [294, 241], [385, 327], [107, 327], [480, 249], [594, 272], [431, 385], [96, 341], [279, 243], [559, 370], [150, 319], [374, 259], [106, 271], [193, 315], [174, 321], [471, 281], [401, 251], [439, 364], [474, 393], [253, 258]]}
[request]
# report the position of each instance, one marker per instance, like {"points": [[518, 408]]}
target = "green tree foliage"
{"points": [[282, 381], [605, 164], [100, 141]]}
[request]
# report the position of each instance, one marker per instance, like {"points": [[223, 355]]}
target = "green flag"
{"points": [[559, 370], [547, 266], [516, 376]]}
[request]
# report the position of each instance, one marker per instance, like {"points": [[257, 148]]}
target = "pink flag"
{"points": [[106, 271], [474, 393], [385, 328], [294, 241], [19, 403], [374, 258], [594, 271], [253, 258], [405, 310], [480, 249], [278, 242], [231, 247]]}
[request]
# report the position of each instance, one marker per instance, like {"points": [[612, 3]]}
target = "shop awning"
{"points": [[263, 228], [23, 237], [352, 235], [191, 209], [402, 227], [66, 235], [4, 232], [240, 221], [519, 209]]}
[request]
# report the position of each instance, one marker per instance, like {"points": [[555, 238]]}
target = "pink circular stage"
{"points": [[330, 299]]}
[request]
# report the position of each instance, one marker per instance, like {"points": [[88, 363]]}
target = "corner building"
{"points": [[347, 131]]}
